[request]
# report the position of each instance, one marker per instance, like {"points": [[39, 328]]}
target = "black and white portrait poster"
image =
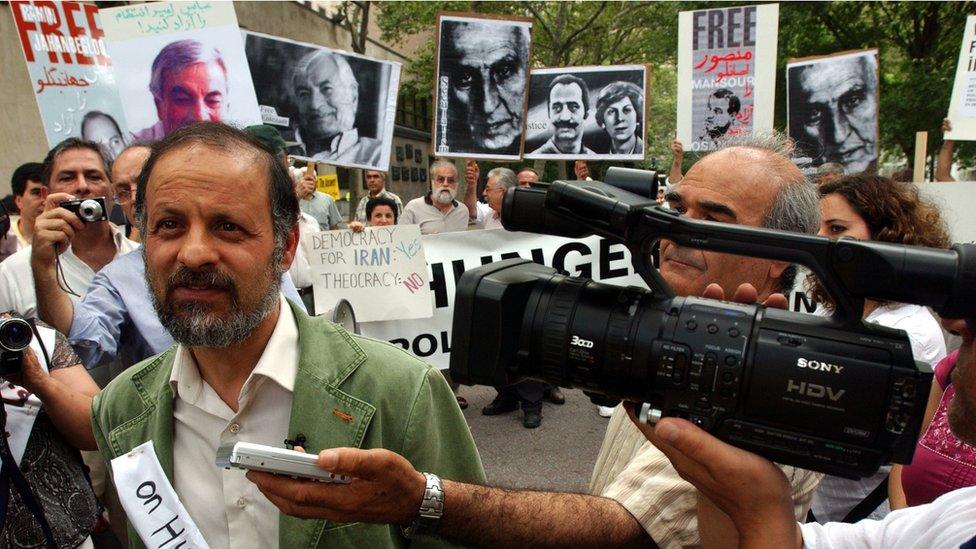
{"points": [[832, 110], [480, 86], [587, 113], [338, 106], [177, 63], [726, 73]]}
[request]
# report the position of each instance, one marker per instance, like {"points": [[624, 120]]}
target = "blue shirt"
{"points": [[116, 318]]}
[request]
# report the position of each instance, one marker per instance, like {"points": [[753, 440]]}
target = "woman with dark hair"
{"points": [[620, 112], [871, 207]]}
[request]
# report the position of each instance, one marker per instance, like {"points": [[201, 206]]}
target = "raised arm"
{"points": [[53, 231], [943, 164]]}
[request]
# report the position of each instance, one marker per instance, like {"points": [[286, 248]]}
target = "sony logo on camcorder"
{"points": [[813, 390], [818, 365]]}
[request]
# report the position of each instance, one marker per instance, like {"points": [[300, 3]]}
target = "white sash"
{"points": [[151, 503], [21, 405]]}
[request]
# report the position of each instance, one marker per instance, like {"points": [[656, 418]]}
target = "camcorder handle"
{"points": [[851, 270]]}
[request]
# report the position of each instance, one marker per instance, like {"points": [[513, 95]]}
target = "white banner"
{"points": [[962, 106], [380, 271], [450, 254], [151, 503], [726, 73]]}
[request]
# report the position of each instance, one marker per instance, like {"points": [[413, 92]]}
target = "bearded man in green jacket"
{"points": [[218, 214]]}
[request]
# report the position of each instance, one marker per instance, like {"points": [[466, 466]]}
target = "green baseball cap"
{"points": [[268, 136]]}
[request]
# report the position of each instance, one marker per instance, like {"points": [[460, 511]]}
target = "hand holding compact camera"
{"points": [[88, 210]]}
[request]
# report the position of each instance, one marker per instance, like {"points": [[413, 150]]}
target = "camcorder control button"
{"points": [[728, 377], [731, 360], [691, 325], [734, 332], [712, 329]]}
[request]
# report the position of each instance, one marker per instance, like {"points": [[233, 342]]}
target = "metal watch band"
{"points": [[431, 508]]}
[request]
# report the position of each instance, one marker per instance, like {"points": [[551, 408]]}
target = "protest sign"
{"points": [[962, 106], [587, 113], [71, 73], [832, 110], [339, 107], [380, 271], [726, 73], [177, 63], [480, 86], [450, 254]]}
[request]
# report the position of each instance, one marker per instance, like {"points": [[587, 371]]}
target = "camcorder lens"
{"points": [[15, 334]]}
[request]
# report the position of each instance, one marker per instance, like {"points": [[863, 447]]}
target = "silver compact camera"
{"points": [[88, 210]]}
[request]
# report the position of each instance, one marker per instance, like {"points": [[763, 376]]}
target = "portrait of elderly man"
{"points": [[568, 106], [620, 112], [721, 107], [485, 66], [833, 110], [325, 95], [188, 84]]}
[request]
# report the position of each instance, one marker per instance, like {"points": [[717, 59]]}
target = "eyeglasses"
{"points": [[123, 195]]}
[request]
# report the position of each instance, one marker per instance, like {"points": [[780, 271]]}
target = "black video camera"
{"points": [[828, 394], [89, 210], [15, 336]]}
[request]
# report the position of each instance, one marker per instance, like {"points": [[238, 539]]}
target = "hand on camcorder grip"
{"points": [[746, 293], [751, 490]]}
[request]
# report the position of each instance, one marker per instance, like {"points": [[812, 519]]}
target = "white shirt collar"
{"points": [[278, 362]]}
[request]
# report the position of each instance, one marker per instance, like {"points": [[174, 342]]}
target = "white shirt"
{"points": [[487, 218], [838, 496], [947, 522], [17, 279], [229, 509], [300, 271]]}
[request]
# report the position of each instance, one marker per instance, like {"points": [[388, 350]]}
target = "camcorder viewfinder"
{"points": [[830, 394]]}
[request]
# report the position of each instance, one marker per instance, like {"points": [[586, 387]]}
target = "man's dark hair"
{"points": [[734, 104], [31, 171], [68, 144], [372, 203], [528, 169], [214, 135], [571, 79]]}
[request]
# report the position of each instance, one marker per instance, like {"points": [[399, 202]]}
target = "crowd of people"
{"points": [[191, 324]]}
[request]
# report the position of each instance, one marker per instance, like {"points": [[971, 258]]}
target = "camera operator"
{"points": [[755, 495], [637, 498], [42, 472]]}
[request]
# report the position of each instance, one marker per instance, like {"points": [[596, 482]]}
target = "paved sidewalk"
{"points": [[558, 456]]}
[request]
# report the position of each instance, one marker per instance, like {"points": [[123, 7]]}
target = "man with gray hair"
{"points": [[500, 180], [438, 211], [188, 84], [635, 495], [324, 90]]}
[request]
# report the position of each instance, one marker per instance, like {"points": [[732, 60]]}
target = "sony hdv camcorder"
{"points": [[831, 394]]}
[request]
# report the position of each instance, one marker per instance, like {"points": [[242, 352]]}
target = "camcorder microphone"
{"points": [[830, 394]]}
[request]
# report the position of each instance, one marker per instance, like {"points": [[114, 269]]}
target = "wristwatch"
{"points": [[431, 509]]}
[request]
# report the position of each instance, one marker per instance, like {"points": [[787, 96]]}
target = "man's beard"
{"points": [[445, 196], [193, 324]]}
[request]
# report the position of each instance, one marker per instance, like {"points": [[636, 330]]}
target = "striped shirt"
{"points": [[632, 471]]}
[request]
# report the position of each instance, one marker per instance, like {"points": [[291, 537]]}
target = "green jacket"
{"points": [[395, 401]]}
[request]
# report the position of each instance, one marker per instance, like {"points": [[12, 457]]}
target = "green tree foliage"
{"points": [[918, 43]]}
